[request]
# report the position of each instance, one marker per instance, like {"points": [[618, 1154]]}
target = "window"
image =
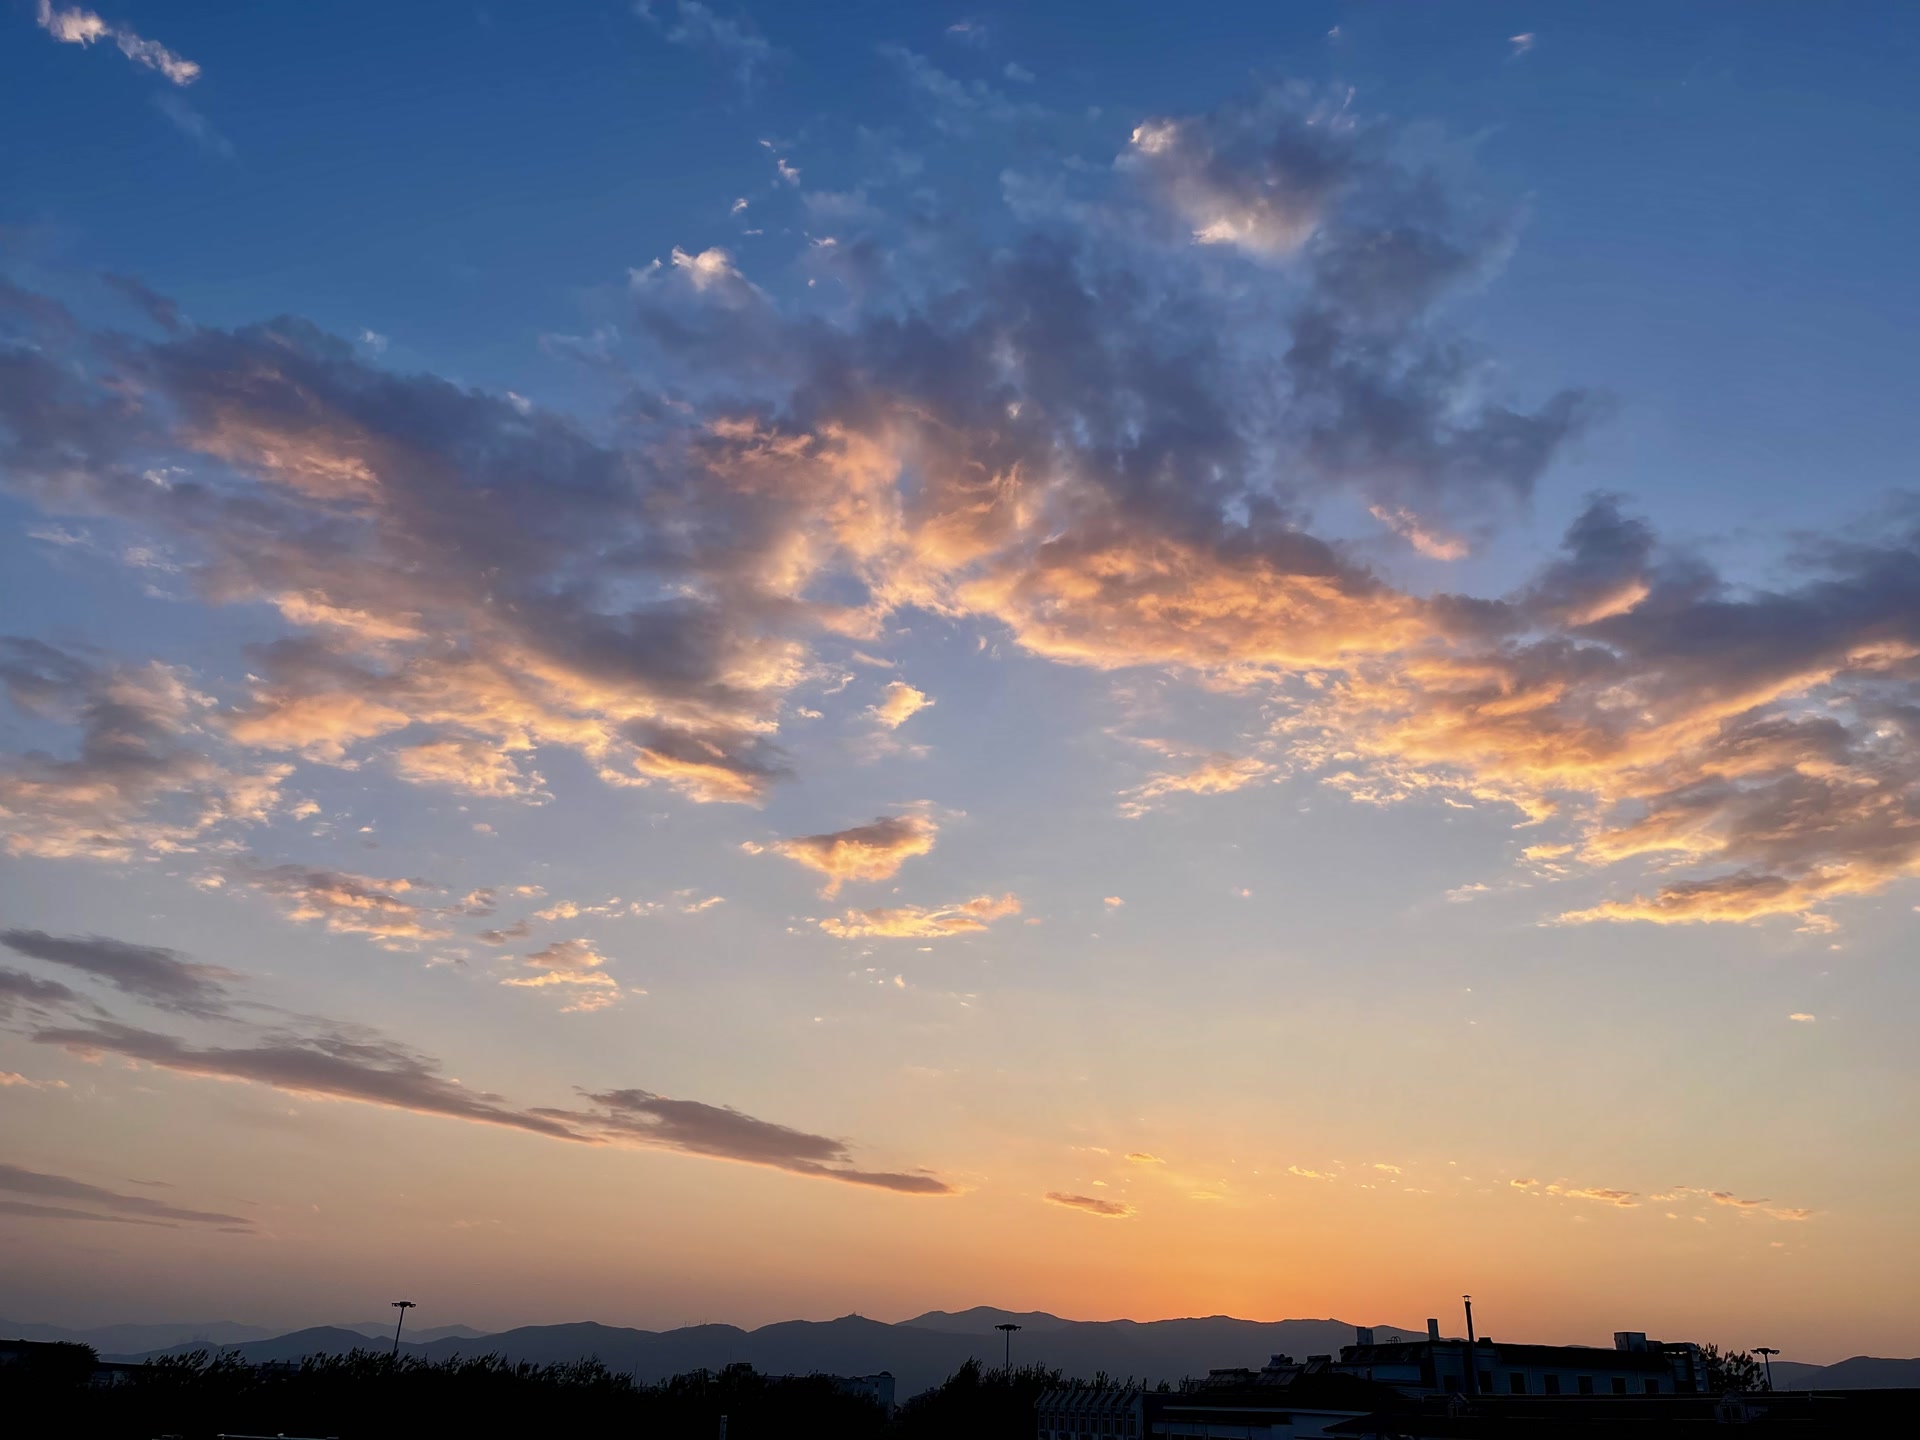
{"points": [[1486, 1382], [1619, 1385], [1553, 1385], [1586, 1384], [1516, 1384], [1450, 1384], [1653, 1387]]}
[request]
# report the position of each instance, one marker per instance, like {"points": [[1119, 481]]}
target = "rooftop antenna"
{"points": [[1766, 1354], [402, 1306], [1007, 1330]]}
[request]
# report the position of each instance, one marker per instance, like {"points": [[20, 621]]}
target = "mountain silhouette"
{"points": [[919, 1352]]}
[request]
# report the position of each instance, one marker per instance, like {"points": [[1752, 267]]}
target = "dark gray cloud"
{"points": [[728, 1134], [373, 1071], [19, 990], [158, 308], [17, 1181], [306, 1056], [160, 977]]}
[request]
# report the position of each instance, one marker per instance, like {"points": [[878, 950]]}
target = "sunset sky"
{"points": [[695, 662]]}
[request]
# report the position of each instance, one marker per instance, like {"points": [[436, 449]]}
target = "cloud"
{"points": [[322, 1064], [1113, 902], [914, 922], [898, 703], [1219, 774], [1433, 544], [1091, 1204], [140, 779], [874, 851], [345, 903], [21, 991], [576, 965], [160, 977], [325, 1060], [1802, 1017], [82, 27], [1237, 179], [1141, 1157], [471, 766], [1101, 434], [955, 106], [192, 124], [725, 1133], [698, 27], [16, 1181], [1521, 43]]}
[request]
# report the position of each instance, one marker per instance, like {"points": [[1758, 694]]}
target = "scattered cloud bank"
{"points": [[1103, 436]]}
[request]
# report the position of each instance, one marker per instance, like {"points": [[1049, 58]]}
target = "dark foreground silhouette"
{"points": [[369, 1396]]}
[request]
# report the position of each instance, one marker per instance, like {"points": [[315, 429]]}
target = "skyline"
{"points": [[664, 663]]}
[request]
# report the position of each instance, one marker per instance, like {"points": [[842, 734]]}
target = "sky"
{"points": [[691, 662]]}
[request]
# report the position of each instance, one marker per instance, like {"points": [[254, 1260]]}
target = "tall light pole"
{"points": [[1472, 1377], [1008, 1330], [402, 1306], [1766, 1354]]}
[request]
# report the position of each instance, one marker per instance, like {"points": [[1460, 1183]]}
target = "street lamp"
{"points": [[1766, 1354], [402, 1306], [1008, 1330]]}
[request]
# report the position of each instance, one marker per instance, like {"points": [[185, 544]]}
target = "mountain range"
{"points": [[919, 1352]]}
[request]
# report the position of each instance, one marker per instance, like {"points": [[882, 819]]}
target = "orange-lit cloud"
{"points": [[914, 922], [1218, 774], [874, 851], [898, 703]]}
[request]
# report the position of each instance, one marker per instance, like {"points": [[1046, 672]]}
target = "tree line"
{"points": [[370, 1396]]}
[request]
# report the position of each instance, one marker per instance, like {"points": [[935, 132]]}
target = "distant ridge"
{"points": [[920, 1352]]}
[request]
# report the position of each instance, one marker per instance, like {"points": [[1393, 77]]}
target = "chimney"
{"points": [[1433, 1332]]}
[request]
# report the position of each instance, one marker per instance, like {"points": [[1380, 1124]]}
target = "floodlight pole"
{"points": [[1008, 1330], [402, 1306], [1766, 1354]]}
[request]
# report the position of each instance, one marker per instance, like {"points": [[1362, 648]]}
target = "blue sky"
{"points": [[1004, 607]]}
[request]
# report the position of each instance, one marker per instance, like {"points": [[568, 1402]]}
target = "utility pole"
{"points": [[1766, 1354], [402, 1306], [1472, 1378], [1008, 1331]]}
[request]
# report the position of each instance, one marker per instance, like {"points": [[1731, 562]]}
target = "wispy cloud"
{"points": [[82, 27], [915, 922], [1091, 1205], [1217, 774], [700, 27], [136, 1208]]}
